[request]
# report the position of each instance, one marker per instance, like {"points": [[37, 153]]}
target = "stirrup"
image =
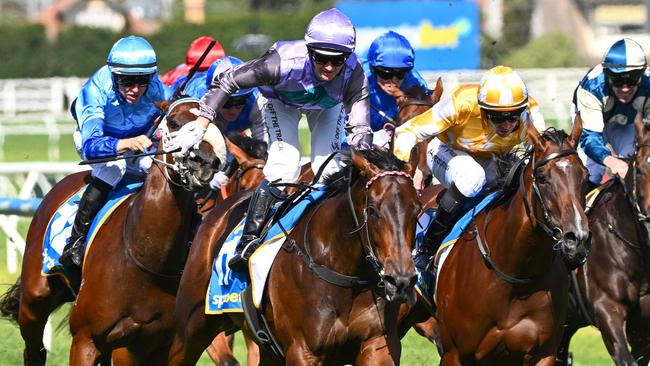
{"points": [[239, 261], [74, 255]]}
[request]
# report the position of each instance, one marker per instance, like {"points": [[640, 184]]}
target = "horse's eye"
{"points": [[541, 179], [371, 211]]}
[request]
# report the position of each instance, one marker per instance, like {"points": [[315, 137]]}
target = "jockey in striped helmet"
{"points": [[474, 123], [608, 99]]}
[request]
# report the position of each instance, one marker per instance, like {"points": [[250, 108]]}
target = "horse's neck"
{"points": [[161, 210], [518, 244], [337, 242]]}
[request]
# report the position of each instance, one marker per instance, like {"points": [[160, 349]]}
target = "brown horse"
{"points": [[510, 251], [130, 278], [313, 320], [614, 283]]}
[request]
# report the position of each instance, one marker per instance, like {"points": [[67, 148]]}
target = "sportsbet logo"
{"points": [[219, 300]]}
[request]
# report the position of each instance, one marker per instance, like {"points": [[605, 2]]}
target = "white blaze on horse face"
{"points": [[565, 165]]}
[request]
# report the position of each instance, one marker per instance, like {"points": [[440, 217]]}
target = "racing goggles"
{"points": [[322, 57], [131, 80], [498, 117], [236, 102], [630, 78], [388, 73]]}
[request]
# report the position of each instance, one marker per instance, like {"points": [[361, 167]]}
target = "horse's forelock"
{"points": [[383, 160], [554, 135]]}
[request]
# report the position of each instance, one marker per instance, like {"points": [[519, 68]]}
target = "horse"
{"points": [[316, 321], [244, 171], [129, 280], [511, 248], [613, 287]]}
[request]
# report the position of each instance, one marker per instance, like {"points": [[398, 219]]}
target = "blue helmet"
{"points": [[132, 55], [624, 55], [221, 65], [331, 30], [391, 50]]}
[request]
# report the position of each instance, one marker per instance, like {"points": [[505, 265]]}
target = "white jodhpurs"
{"points": [[452, 166], [112, 172], [326, 127]]}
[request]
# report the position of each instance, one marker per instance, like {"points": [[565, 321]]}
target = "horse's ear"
{"points": [[239, 154], [414, 158], [366, 168], [576, 131], [163, 105], [437, 92], [533, 136]]}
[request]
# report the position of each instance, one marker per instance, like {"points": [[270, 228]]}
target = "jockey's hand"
{"points": [[616, 165], [137, 144], [220, 178], [187, 137]]}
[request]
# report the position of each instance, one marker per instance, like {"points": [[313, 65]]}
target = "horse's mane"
{"points": [[554, 135], [256, 149], [384, 160]]}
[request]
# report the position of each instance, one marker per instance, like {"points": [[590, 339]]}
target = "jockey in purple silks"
{"points": [[318, 76]]}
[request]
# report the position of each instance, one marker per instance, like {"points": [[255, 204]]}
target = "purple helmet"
{"points": [[332, 30]]}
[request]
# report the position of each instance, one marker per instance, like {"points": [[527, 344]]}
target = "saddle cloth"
{"points": [[226, 286], [60, 226], [425, 286]]}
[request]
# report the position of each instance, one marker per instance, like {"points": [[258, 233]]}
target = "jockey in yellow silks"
{"points": [[474, 123]]}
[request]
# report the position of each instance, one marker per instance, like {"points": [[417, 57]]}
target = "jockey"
{"points": [[389, 69], [471, 125], [194, 52], [608, 98], [319, 76], [115, 109]]}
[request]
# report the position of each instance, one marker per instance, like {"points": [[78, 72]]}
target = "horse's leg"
{"points": [[638, 334], [38, 301], [122, 357], [220, 350], [194, 336], [562, 358], [253, 358], [450, 358], [377, 351], [610, 318], [83, 351]]}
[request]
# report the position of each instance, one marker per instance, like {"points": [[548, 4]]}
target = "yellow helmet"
{"points": [[502, 90]]}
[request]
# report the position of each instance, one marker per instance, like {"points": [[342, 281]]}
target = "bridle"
{"points": [[177, 165], [553, 231], [330, 275]]}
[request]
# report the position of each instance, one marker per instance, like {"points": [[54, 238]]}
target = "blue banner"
{"points": [[444, 34]]}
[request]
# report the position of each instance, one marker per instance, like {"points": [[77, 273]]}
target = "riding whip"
{"points": [[125, 156]]}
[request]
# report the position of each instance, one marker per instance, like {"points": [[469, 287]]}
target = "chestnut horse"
{"points": [[313, 320], [510, 251], [614, 283], [130, 276]]}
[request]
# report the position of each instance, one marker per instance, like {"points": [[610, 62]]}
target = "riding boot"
{"points": [[91, 202], [450, 204], [258, 210]]}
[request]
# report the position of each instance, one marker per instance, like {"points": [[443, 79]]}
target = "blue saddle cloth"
{"points": [[60, 226], [425, 286], [226, 286]]}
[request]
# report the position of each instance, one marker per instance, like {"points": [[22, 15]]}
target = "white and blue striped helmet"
{"points": [[624, 55], [132, 55]]}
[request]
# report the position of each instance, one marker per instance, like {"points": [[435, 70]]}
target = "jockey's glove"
{"points": [[190, 135]]}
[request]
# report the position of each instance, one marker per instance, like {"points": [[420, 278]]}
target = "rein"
{"points": [[552, 230]]}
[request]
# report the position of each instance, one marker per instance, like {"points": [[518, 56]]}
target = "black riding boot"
{"points": [[450, 204], [258, 210], [91, 202]]}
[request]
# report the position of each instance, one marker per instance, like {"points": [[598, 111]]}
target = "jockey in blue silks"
{"points": [[115, 109], [389, 67], [608, 99], [319, 76]]}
